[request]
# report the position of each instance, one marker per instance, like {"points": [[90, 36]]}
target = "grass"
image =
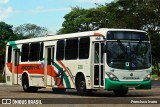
{"points": [[154, 76]]}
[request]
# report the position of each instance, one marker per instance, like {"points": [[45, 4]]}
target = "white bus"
{"points": [[111, 59]]}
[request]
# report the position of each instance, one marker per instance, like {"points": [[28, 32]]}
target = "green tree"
{"points": [[79, 20], [155, 47], [30, 31], [73, 20], [6, 34]]}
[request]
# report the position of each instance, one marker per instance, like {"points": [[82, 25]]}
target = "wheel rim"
{"points": [[82, 85]]}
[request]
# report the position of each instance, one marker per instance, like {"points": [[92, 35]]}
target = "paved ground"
{"points": [[156, 83], [71, 94]]}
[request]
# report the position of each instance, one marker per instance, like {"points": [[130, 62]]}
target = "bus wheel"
{"points": [[25, 84], [81, 86], [59, 90], [120, 92]]}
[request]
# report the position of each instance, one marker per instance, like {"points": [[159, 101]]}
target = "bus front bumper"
{"points": [[116, 85]]}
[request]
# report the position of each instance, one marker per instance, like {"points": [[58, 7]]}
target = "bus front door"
{"points": [[15, 66], [49, 74], [98, 72]]}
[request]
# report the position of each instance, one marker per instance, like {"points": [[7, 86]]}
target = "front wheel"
{"points": [[81, 87], [120, 92]]}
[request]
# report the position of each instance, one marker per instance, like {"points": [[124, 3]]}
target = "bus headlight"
{"points": [[148, 77], [112, 76]]}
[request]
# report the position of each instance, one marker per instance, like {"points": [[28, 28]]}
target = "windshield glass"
{"points": [[128, 55]]}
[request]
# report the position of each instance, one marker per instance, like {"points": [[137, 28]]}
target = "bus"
{"points": [[111, 59]]}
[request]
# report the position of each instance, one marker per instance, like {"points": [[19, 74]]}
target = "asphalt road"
{"points": [[71, 96], [156, 83]]}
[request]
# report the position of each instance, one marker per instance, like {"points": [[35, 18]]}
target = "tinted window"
{"points": [[84, 45], [127, 35], [34, 51], [60, 50], [71, 49], [41, 51], [25, 52], [9, 53]]}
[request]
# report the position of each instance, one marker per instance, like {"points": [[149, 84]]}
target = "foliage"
{"points": [[6, 34], [133, 14], [2, 79], [155, 76], [29, 31]]}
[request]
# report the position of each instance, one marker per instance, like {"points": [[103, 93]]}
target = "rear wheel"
{"points": [[120, 92], [81, 86], [26, 87]]}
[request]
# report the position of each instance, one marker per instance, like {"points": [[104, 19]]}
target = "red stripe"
{"points": [[31, 70]]}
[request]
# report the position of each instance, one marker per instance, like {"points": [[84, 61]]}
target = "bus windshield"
{"points": [[128, 55]]}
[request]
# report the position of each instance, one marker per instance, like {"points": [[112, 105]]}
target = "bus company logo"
{"points": [[131, 74], [30, 67], [134, 78], [6, 101], [21, 101]]}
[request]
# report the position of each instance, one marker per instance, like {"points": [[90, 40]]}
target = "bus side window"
{"points": [[25, 52], [41, 51], [71, 49], [84, 46], [60, 50], [34, 52], [9, 54]]}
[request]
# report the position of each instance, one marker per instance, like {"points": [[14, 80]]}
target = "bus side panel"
{"points": [[72, 67], [35, 73], [8, 73], [8, 67]]}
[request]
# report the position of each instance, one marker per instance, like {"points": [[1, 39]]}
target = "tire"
{"points": [[26, 87], [120, 92], [25, 84], [59, 90], [81, 87]]}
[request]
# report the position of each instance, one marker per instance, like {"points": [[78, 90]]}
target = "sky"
{"points": [[45, 13]]}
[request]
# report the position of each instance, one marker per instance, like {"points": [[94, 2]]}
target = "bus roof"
{"points": [[101, 31]]}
